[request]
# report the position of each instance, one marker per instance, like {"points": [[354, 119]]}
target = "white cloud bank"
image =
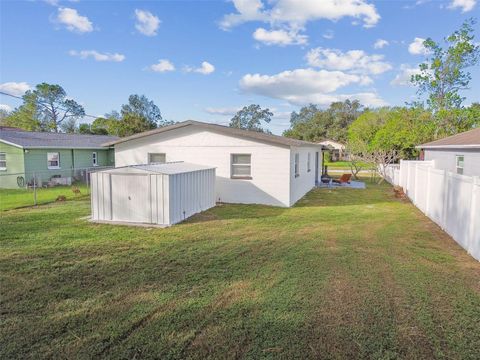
{"points": [[5, 107], [162, 66], [73, 21], [206, 68], [356, 61], [226, 111], [464, 5], [417, 48], [147, 23], [303, 86], [15, 88], [84, 54], [288, 18]]}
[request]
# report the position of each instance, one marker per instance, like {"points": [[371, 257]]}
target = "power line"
{"points": [[39, 103]]}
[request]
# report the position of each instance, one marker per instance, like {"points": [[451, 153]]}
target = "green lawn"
{"points": [[16, 198], [344, 274], [344, 165]]}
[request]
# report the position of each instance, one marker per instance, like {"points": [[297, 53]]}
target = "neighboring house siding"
{"points": [[446, 160], [270, 170], [15, 166], [306, 179], [83, 158]]}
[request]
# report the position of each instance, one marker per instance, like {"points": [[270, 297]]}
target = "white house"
{"points": [[337, 149], [251, 167], [459, 153]]}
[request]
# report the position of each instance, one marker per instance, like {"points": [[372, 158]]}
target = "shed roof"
{"points": [[467, 139], [33, 139], [166, 169], [254, 135]]}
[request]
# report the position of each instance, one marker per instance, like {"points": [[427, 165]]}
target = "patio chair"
{"points": [[344, 179]]}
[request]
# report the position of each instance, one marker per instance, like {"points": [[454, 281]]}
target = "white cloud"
{"points": [[205, 69], [147, 23], [293, 15], [356, 61], [380, 44], [403, 78], [15, 88], [465, 5], [84, 54], [302, 86], [417, 48], [226, 111], [329, 34], [279, 37], [74, 21], [5, 107], [163, 65]]}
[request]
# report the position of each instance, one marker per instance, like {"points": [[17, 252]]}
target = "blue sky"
{"points": [[203, 60]]}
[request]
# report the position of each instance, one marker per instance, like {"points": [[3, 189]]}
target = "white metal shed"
{"points": [[162, 194]]}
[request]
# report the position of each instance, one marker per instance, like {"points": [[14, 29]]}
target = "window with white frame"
{"points": [[157, 158], [3, 161], [241, 166], [297, 165], [53, 160], [459, 164], [94, 158], [309, 161]]}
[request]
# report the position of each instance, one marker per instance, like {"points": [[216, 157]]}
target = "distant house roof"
{"points": [[330, 143], [32, 139], [254, 135], [467, 139]]}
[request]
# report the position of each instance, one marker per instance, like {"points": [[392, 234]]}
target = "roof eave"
{"points": [[10, 143], [471, 146]]}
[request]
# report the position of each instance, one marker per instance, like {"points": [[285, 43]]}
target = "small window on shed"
{"points": [[53, 160], [157, 158], [297, 165], [459, 164], [241, 166], [94, 158], [309, 161], [3, 161]]}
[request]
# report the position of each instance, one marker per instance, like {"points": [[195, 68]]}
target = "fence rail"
{"points": [[450, 200], [37, 187]]}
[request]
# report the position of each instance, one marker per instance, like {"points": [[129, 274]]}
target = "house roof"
{"points": [[467, 139], [254, 135], [167, 168], [32, 139]]}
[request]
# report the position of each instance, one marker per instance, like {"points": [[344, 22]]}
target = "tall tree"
{"points": [[443, 75], [251, 118], [26, 116], [52, 106]]}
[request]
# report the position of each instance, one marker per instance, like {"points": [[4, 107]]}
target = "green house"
{"points": [[49, 159]]}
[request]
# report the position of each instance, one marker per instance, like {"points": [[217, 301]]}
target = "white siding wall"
{"points": [[270, 182], [306, 181], [445, 160]]}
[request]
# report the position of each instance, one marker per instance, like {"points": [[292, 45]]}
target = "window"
{"points": [[459, 164], [3, 161], [241, 166], [309, 168], [156, 158], [94, 159], [297, 165], [53, 160]]}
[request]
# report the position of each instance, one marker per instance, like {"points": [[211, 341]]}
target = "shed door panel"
{"points": [[131, 198]]}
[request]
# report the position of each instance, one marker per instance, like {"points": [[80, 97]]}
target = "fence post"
{"points": [[473, 209], [34, 189]]}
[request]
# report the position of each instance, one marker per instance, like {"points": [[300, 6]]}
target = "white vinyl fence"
{"points": [[450, 200]]}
